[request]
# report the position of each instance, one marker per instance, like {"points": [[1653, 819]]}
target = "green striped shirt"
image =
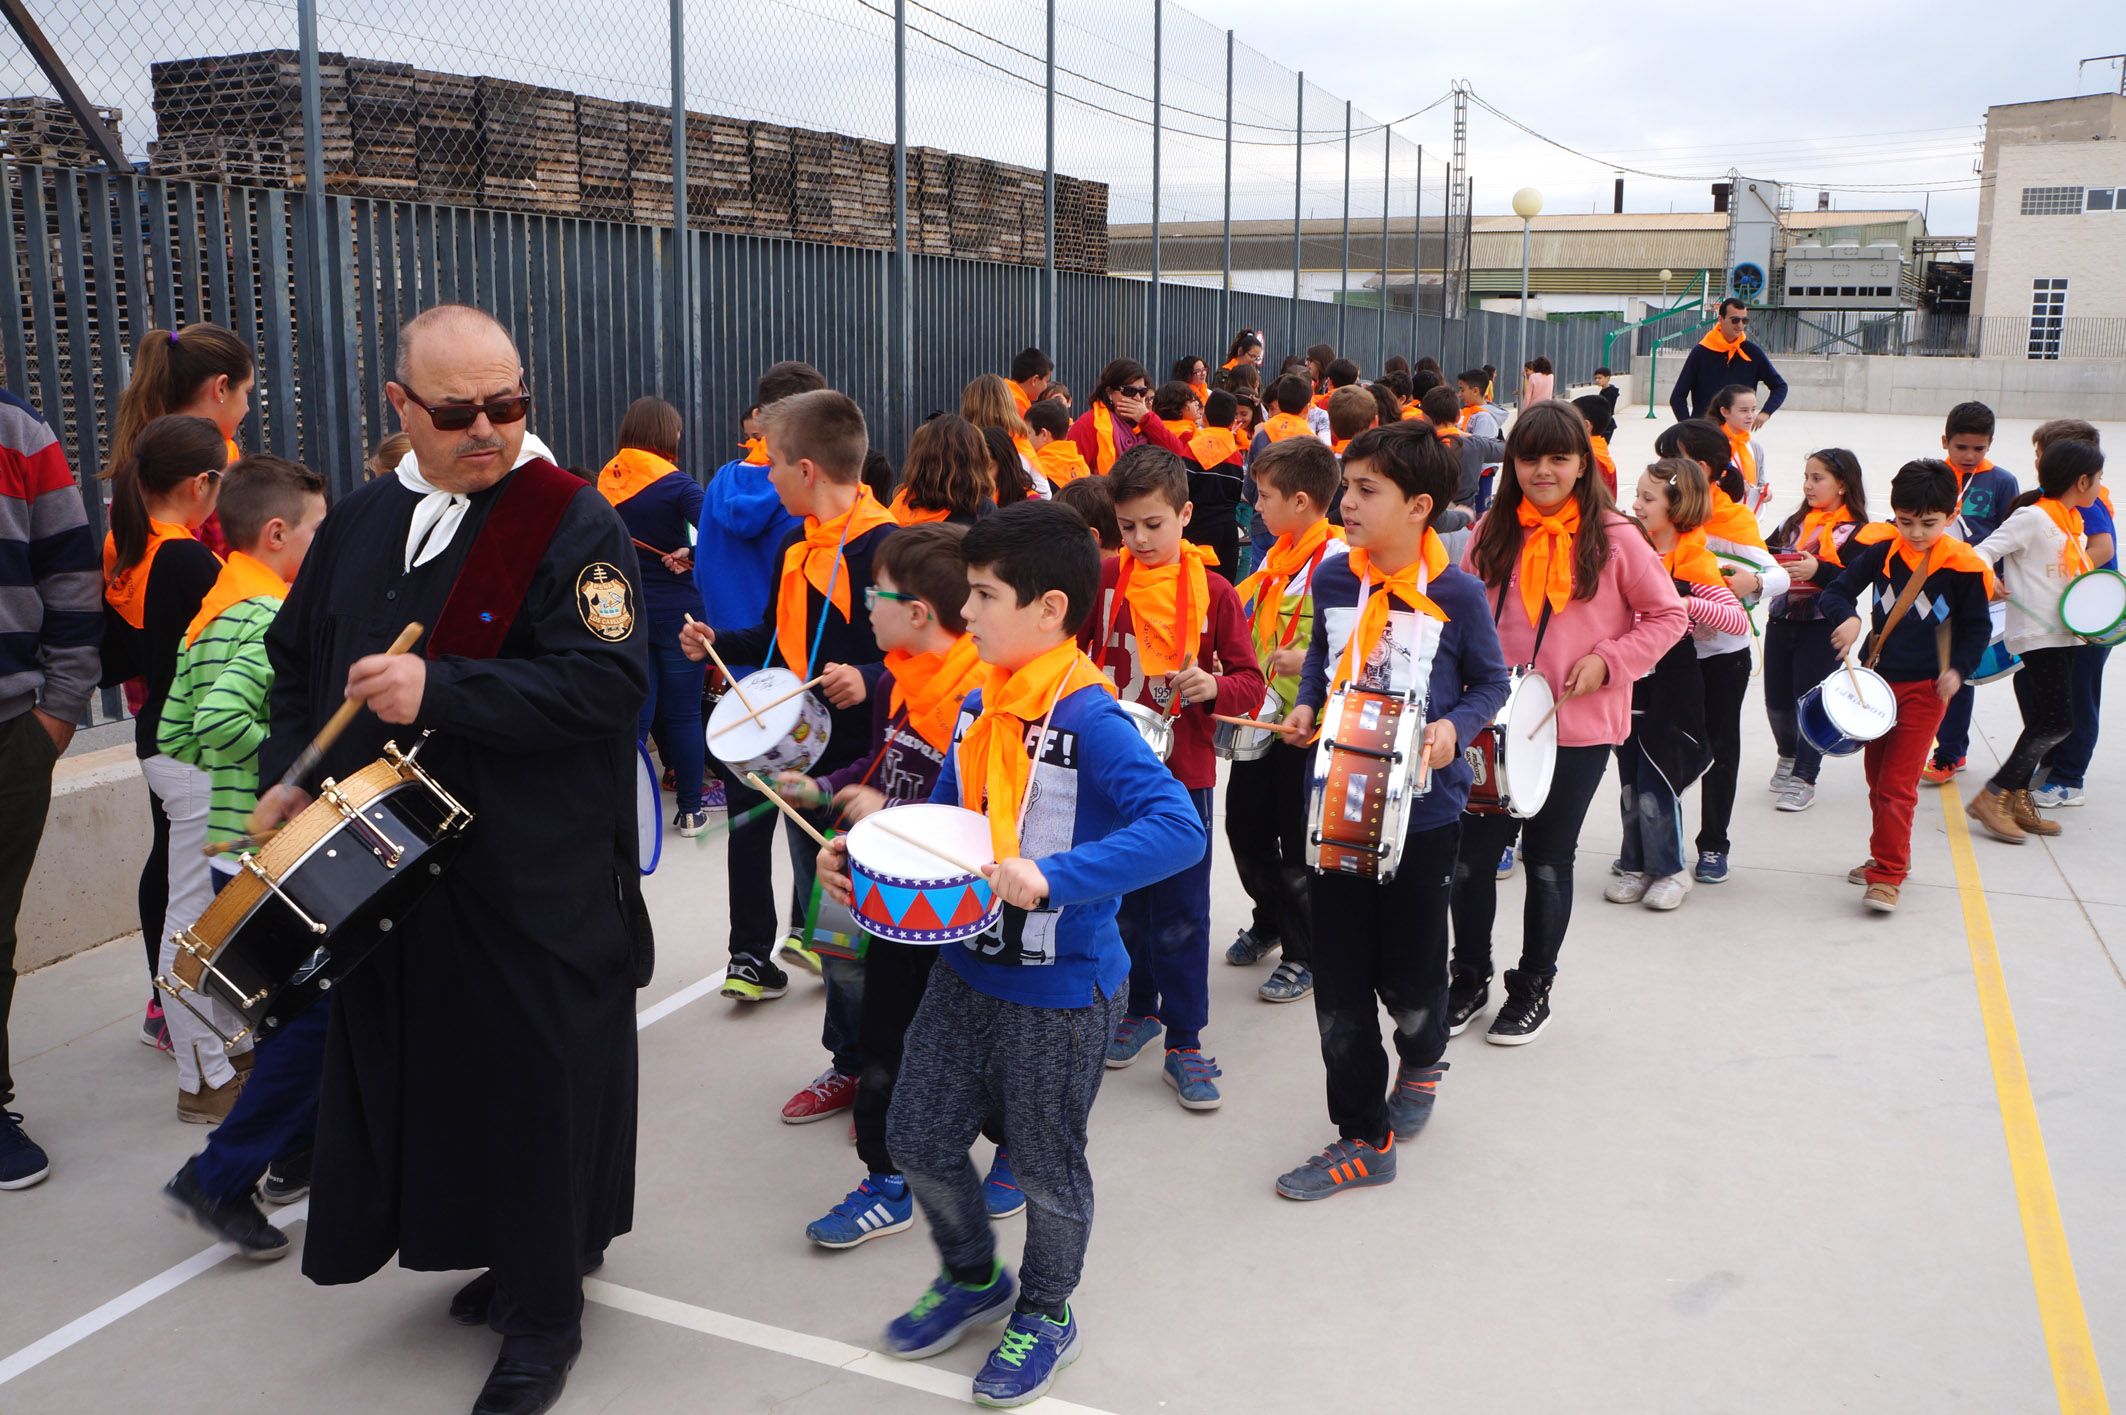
{"points": [[216, 715]]}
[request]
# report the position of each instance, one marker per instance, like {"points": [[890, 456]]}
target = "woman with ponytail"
{"points": [[201, 371], [155, 573]]}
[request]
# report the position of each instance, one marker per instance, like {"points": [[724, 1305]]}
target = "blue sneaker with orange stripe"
{"points": [[1347, 1164], [876, 1207], [1001, 1194]]}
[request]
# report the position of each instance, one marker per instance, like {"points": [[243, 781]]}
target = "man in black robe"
{"points": [[478, 1107]]}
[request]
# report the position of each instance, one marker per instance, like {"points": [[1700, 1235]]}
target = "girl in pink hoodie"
{"points": [[1578, 592]]}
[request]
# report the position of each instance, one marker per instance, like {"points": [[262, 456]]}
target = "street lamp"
{"points": [[1666, 276], [1527, 204]]}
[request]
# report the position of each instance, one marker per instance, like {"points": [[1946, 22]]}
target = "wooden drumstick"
{"points": [[241, 842], [1173, 709], [1854, 679], [787, 809], [725, 668], [754, 715], [1263, 724], [1546, 718], [307, 761]]}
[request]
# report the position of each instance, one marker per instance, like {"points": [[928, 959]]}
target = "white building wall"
{"points": [[2088, 249]]}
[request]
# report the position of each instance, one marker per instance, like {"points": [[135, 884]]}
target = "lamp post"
{"points": [[1527, 204], [1666, 276]]}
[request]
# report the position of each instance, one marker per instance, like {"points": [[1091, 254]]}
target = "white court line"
{"points": [[915, 1375], [170, 1279]]}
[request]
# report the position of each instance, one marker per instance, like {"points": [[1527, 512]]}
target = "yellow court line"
{"points": [[2059, 1298]]}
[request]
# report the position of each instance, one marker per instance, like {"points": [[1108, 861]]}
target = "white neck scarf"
{"points": [[437, 518]]}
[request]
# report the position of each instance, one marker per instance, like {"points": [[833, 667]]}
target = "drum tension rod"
{"points": [[1376, 755], [380, 844], [1378, 852], [251, 863]]}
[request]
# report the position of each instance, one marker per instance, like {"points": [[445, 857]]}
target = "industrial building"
{"points": [[2052, 226]]}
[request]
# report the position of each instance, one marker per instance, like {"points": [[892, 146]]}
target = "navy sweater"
{"points": [[1875, 578], [1705, 373], [663, 514]]}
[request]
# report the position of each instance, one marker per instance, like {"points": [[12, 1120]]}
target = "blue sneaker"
{"points": [[1189, 1073], [1001, 1194], [878, 1206], [22, 1161], [942, 1315], [1132, 1035], [1712, 867], [1288, 983], [1034, 1351], [1506, 864]]}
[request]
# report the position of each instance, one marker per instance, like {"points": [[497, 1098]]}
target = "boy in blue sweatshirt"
{"points": [[1016, 1020], [1984, 493], [1393, 616]]}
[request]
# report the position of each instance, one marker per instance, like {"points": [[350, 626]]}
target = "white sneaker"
{"points": [[1784, 776], [2052, 797], [1800, 795], [1629, 887], [1666, 892]]}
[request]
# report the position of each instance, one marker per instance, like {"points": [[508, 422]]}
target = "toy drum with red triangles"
{"points": [[903, 892]]}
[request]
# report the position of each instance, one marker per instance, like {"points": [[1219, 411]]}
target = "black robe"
{"points": [[478, 1107]]}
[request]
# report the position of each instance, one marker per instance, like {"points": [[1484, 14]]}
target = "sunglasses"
{"points": [[1738, 320], [1137, 390], [456, 417]]}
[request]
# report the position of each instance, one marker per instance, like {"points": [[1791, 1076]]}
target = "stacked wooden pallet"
{"points": [[527, 147], [446, 137], [383, 111], [42, 132], [649, 155], [239, 117], [602, 158], [844, 190]]}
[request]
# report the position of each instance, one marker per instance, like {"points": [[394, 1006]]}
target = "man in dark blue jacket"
{"points": [[1723, 357]]}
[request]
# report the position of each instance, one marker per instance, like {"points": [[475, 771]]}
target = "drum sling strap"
{"points": [[489, 590], [1498, 612], [1914, 583]]}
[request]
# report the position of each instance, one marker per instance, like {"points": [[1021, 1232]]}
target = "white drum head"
{"points": [[750, 739], [1860, 703], [2094, 604], [649, 813], [961, 833], [1531, 755], [1997, 611]]}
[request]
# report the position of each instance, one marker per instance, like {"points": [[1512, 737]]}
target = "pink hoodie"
{"points": [[1634, 618]]}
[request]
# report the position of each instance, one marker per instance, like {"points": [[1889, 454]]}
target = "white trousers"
{"points": [[185, 792]]}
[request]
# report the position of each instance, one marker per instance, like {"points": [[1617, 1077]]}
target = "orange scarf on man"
{"points": [[1823, 525], [1692, 561], [241, 578], [1546, 556], [1167, 606], [1745, 459], [127, 590], [1730, 349], [907, 515], [928, 687], [1733, 522], [1947, 553], [1213, 445], [1290, 555], [1061, 462], [1279, 426], [1379, 589], [816, 561], [1104, 452], [2074, 557], [994, 766], [631, 470], [756, 450]]}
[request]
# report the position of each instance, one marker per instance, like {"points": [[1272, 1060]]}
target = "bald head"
{"points": [[455, 354]]}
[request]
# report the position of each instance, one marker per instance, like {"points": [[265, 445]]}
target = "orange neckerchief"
{"points": [[2074, 558], [1104, 453], [1213, 445], [1948, 553], [1202, 392], [1450, 434], [1745, 460], [1602, 457], [1822, 525], [1167, 605], [1019, 396], [1321, 401], [1733, 522], [1692, 560], [1469, 410], [1546, 556], [1183, 428], [630, 471], [906, 515], [241, 578], [1025, 447], [235, 453], [1338, 444], [814, 560], [929, 687], [994, 765], [1265, 587], [1061, 462], [1378, 589], [1412, 413], [756, 450], [1229, 363], [1279, 426], [127, 590], [1731, 349]]}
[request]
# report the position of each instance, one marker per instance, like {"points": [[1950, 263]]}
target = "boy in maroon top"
{"points": [[1171, 634]]}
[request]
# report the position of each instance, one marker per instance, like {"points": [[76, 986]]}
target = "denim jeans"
{"points": [[673, 709], [1167, 928]]}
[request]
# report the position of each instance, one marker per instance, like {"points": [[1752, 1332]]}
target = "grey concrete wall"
{"points": [[1881, 383], [83, 889]]}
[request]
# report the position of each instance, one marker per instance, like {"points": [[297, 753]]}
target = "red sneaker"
{"points": [[1941, 773], [830, 1093]]}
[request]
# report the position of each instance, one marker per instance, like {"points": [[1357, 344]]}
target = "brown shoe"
{"points": [[2026, 815], [1990, 809], [1859, 873], [212, 1104], [1881, 897], [242, 1060]]}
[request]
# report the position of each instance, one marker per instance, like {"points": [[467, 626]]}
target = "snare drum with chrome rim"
{"points": [[1366, 771], [1512, 761]]}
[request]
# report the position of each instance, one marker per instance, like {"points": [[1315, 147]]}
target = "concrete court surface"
{"points": [[1757, 1163]]}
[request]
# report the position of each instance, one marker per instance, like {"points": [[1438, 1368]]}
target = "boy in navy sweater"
{"points": [[1948, 619], [1984, 493], [1017, 1019], [1393, 616]]}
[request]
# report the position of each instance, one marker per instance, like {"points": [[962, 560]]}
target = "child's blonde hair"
{"points": [[1690, 495], [389, 453]]}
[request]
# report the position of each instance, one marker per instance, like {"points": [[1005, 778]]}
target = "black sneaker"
{"points": [[1410, 1103], [1468, 993], [22, 1160], [1524, 1012], [750, 980], [239, 1222], [286, 1180]]}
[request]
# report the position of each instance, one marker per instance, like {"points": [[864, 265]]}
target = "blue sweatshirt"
{"points": [[661, 514], [1468, 681], [1987, 495], [1105, 818], [738, 552]]}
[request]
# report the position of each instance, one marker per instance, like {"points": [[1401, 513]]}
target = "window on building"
{"points": [[2104, 199], [2052, 201], [2048, 317]]}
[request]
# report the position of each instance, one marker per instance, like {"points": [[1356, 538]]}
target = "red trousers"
{"points": [[1893, 762]]}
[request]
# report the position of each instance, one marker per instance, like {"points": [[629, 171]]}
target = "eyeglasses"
{"points": [[1135, 390], [873, 594], [456, 417]]}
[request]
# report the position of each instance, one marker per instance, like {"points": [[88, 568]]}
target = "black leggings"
{"points": [[154, 892], [1727, 683], [1553, 834], [1797, 656], [2044, 690]]}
